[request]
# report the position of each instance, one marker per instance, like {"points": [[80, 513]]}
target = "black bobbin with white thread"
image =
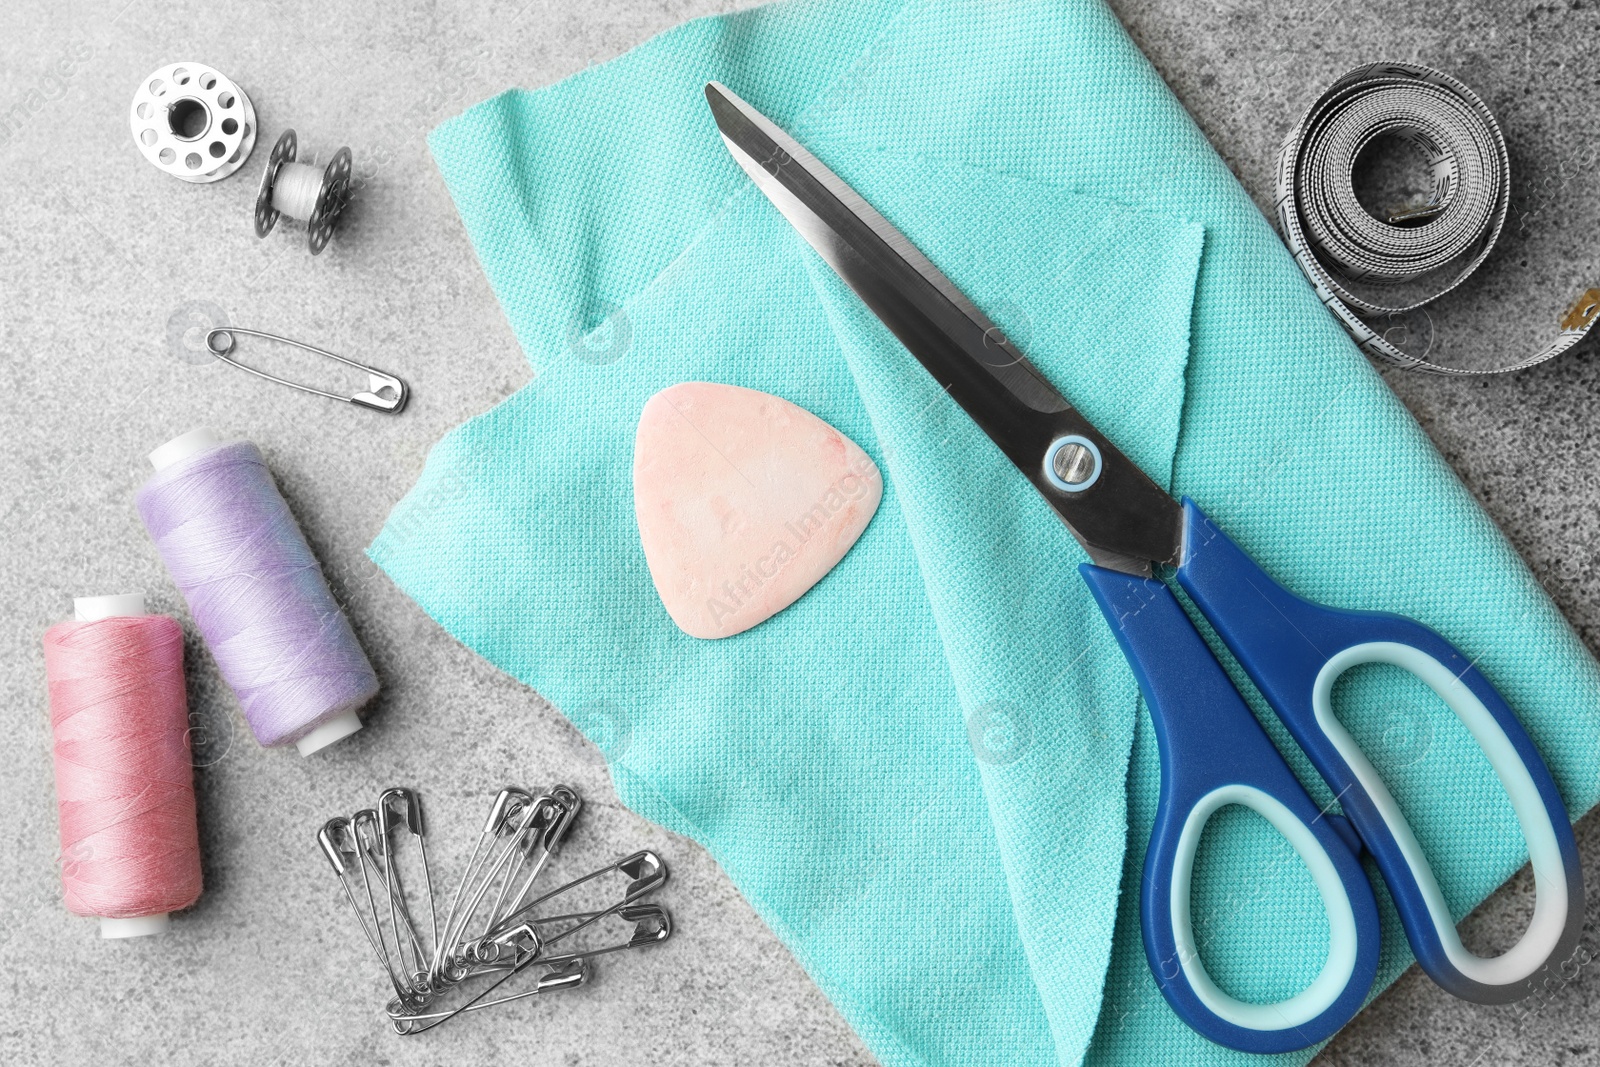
{"points": [[297, 191]]}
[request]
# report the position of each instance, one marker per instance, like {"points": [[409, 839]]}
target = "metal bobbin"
{"points": [[192, 122], [331, 196]]}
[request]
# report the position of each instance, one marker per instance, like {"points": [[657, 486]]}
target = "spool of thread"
{"points": [[256, 592], [296, 190], [130, 845], [301, 191]]}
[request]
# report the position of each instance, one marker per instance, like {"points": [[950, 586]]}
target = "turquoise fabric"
{"points": [[932, 775]]}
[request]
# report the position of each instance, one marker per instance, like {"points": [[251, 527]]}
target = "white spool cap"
{"points": [[200, 439], [115, 605], [92, 609], [326, 733], [139, 926]]}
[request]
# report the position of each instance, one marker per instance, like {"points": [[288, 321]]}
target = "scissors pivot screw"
{"points": [[1072, 464]]}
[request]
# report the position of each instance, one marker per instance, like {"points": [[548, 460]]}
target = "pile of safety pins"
{"points": [[497, 926]]}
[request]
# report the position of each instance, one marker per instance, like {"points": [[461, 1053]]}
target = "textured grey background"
{"points": [[99, 250]]}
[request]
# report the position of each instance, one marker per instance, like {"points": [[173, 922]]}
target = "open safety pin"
{"points": [[384, 391]]}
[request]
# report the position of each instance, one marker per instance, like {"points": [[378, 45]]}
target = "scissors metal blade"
{"points": [[1121, 517]]}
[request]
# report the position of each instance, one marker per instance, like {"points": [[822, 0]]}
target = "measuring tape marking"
{"points": [[1340, 246]]}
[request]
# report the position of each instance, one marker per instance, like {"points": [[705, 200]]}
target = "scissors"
{"points": [[1213, 751]]}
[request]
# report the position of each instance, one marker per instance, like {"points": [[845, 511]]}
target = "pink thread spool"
{"points": [[130, 843]]}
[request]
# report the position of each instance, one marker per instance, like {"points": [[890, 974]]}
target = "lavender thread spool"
{"points": [[256, 592]]}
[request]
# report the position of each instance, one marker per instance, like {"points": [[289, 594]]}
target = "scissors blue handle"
{"points": [[1214, 753]]}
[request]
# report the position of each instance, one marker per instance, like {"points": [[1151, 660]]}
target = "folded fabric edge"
{"points": [[592, 308], [1072, 1023]]}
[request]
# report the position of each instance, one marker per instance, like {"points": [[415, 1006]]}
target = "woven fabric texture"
{"points": [[932, 775]]}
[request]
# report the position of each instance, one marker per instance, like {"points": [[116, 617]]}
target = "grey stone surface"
{"points": [[99, 251]]}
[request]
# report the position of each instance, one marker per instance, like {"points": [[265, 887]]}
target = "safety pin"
{"points": [[514, 808], [526, 945], [510, 943], [509, 862], [566, 976], [524, 842], [651, 925], [384, 391], [340, 854], [364, 831], [546, 840], [409, 805], [506, 802], [449, 972], [374, 854], [645, 872]]}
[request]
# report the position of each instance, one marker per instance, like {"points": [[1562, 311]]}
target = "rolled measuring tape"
{"points": [[192, 122], [1353, 258]]}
